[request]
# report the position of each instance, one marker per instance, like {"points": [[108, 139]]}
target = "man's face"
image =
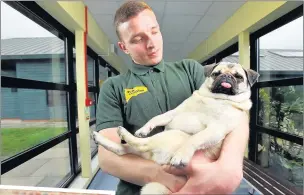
{"points": [[141, 38]]}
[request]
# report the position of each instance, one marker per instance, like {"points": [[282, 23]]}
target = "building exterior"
{"points": [[40, 59], [277, 63]]}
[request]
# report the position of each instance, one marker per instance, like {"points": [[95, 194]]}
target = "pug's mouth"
{"points": [[224, 86]]}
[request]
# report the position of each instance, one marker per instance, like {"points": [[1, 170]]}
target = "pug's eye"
{"points": [[238, 76], [215, 74]]}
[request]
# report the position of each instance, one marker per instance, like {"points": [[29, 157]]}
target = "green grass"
{"points": [[15, 140]]}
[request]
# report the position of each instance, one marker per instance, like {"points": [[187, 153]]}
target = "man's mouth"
{"points": [[153, 53]]}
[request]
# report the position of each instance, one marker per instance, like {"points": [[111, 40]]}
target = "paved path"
{"points": [[44, 170]]}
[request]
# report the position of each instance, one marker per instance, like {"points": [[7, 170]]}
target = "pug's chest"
{"points": [[197, 117], [188, 122]]}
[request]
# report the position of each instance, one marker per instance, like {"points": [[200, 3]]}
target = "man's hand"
{"points": [[173, 182], [208, 178], [222, 176]]}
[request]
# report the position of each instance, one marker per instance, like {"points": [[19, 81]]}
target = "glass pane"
{"points": [[283, 159], [281, 52], [44, 170], [92, 143], [103, 74], [281, 108], [30, 117], [234, 58], [28, 50], [91, 70]]}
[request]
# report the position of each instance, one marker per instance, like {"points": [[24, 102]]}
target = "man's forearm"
{"points": [[234, 145], [128, 167]]}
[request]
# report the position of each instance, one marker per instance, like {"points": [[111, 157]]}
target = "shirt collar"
{"points": [[143, 69]]}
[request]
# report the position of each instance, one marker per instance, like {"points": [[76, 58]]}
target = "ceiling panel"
{"points": [[209, 23], [187, 8], [193, 40], [101, 7], [224, 9], [178, 23], [175, 36]]}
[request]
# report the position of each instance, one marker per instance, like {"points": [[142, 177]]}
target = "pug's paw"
{"points": [[144, 131], [141, 133], [121, 132], [180, 159], [94, 136]]}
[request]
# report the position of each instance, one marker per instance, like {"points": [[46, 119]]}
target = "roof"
{"points": [[32, 46], [270, 59], [276, 59]]}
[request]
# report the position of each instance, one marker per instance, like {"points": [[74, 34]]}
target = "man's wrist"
{"points": [[153, 171]]}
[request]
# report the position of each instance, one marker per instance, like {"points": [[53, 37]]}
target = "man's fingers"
{"points": [[175, 171]]}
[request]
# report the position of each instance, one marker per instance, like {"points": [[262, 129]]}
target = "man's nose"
{"points": [[150, 43]]}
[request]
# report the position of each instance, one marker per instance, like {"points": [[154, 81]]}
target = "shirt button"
{"points": [[151, 70]]}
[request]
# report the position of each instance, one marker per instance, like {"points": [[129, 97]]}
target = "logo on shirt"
{"points": [[129, 93]]}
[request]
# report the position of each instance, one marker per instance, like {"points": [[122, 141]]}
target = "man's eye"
{"points": [[137, 40], [154, 32]]}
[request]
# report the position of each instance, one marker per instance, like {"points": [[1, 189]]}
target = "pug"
{"points": [[201, 122]]}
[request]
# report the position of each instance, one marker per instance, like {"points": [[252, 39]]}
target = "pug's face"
{"points": [[229, 78]]}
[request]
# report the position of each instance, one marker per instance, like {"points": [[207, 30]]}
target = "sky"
{"points": [[14, 24]]}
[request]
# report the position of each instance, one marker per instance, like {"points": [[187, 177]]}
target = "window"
{"points": [[281, 52], [91, 71], [281, 108], [276, 142], [281, 159], [55, 98], [42, 170], [34, 115], [28, 120], [30, 54]]}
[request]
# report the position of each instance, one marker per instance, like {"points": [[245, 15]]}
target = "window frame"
{"points": [[254, 63]]}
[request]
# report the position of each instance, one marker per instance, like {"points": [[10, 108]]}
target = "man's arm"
{"points": [[235, 143], [222, 176], [134, 169], [233, 150]]}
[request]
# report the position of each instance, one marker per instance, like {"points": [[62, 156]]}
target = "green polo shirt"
{"points": [[133, 98]]}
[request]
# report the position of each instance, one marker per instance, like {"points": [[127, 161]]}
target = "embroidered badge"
{"points": [[129, 93]]}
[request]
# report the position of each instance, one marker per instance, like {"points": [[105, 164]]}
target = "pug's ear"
{"points": [[252, 76], [209, 68]]}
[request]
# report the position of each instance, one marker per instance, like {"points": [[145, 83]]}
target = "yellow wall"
{"points": [[249, 17]]}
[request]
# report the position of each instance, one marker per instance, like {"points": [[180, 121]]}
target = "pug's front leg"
{"points": [[212, 135], [159, 120]]}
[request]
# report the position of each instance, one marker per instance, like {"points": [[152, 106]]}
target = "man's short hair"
{"points": [[128, 10]]}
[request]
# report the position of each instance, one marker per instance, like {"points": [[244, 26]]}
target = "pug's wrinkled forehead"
{"points": [[229, 67]]}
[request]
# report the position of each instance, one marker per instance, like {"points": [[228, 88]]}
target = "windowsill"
{"points": [[81, 182]]}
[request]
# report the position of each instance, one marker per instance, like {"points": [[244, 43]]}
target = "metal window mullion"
{"points": [[254, 59], [71, 98]]}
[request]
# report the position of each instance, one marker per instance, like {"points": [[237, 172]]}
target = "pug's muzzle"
{"points": [[225, 84]]}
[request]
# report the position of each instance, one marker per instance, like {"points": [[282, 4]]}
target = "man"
{"points": [[151, 87]]}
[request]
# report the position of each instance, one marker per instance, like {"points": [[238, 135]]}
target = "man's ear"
{"points": [[209, 68], [123, 47], [252, 76]]}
